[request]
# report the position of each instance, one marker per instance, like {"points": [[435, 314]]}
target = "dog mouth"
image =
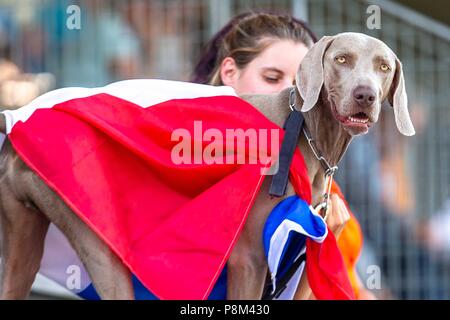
{"points": [[360, 120]]}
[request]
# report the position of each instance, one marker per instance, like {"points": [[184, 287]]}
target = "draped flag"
{"points": [[288, 226], [170, 209]]}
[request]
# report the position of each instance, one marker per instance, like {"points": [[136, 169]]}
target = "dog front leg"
{"points": [[247, 265], [246, 272]]}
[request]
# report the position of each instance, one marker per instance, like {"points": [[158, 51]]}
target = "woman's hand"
{"points": [[337, 215]]}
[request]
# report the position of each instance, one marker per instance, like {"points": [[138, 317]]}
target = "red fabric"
{"points": [[173, 225], [327, 275]]}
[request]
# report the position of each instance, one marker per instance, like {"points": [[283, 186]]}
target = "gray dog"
{"points": [[341, 85]]}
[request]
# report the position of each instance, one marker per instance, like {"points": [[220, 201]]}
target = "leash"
{"points": [[293, 125], [329, 174]]}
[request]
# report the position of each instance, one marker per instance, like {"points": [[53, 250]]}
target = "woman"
{"points": [[260, 53], [255, 53]]}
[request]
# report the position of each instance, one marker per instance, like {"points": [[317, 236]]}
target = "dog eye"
{"points": [[341, 59], [384, 67]]}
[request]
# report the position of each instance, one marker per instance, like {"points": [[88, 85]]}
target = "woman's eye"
{"points": [[384, 67], [341, 59], [271, 79]]}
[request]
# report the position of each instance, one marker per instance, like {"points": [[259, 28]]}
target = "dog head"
{"points": [[355, 73]]}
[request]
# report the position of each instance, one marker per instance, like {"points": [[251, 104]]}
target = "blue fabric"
{"points": [[295, 210], [219, 292], [290, 252], [274, 220]]}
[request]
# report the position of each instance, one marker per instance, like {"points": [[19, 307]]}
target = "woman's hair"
{"points": [[244, 38]]}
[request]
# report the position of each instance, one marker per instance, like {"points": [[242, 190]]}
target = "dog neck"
{"points": [[330, 140]]}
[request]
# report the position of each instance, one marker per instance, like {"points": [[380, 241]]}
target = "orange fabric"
{"points": [[350, 242]]}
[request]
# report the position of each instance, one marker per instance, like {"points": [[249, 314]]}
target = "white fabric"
{"points": [[143, 92]]}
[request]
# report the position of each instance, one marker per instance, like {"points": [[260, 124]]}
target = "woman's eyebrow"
{"points": [[273, 69]]}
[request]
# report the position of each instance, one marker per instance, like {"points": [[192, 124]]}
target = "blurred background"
{"points": [[399, 188]]}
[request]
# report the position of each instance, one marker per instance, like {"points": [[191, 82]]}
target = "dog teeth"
{"points": [[357, 120]]}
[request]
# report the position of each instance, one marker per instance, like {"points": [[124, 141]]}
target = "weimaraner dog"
{"points": [[340, 87]]}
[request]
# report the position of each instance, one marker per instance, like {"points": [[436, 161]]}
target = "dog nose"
{"points": [[365, 96]]}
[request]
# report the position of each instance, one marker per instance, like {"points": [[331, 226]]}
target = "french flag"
{"points": [[107, 152]]}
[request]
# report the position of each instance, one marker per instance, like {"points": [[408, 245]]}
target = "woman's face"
{"points": [[273, 70]]}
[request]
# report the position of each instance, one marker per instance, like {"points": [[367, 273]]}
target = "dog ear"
{"points": [[309, 78], [398, 99]]}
